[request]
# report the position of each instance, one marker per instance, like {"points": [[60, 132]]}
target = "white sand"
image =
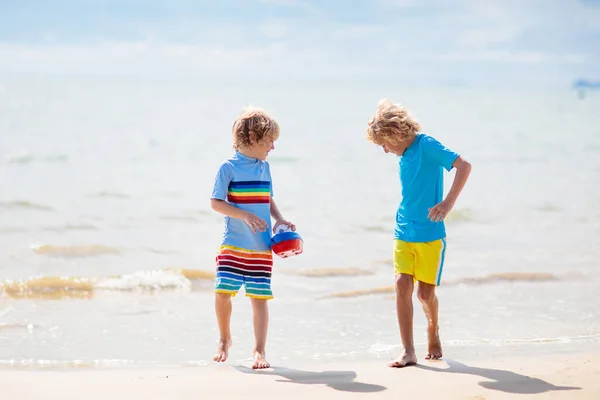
{"points": [[548, 377]]}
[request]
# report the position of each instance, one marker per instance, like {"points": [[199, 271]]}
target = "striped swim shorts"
{"points": [[237, 267]]}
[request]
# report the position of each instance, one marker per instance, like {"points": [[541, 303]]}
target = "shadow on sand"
{"points": [[502, 380], [338, 380]]}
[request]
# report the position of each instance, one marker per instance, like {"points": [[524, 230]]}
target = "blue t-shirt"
{"points": [[421, 176], [245, 182]]}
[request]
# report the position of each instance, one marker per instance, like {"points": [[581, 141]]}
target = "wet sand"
{"points": [[547, 377]]}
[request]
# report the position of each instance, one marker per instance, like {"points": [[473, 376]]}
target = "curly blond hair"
{"points": [[391, 123], [252, 126]]}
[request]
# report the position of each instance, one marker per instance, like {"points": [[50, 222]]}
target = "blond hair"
{"points": [[252, 126], [391, 123]]}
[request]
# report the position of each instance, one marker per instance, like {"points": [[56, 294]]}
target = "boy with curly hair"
{"points": [[420, 234], [243, 192]]}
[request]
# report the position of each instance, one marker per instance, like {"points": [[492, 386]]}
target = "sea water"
{"points": [[108, 242]]}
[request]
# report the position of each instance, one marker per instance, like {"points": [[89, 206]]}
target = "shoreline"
{"points": [[482, 352], [560, 376]]}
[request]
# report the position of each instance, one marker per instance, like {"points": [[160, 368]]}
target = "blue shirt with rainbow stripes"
{"points": [[245, 182]]}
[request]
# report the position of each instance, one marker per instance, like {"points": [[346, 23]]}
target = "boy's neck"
{"points": [[245, 151], [409, 143]]}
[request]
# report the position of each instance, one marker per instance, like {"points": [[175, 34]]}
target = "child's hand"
{"points": [[440, 211], [283, 222], [256, 223]]}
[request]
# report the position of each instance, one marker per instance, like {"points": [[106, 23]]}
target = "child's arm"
{"points": [[253, 221], [441, 210], [279, 218]]}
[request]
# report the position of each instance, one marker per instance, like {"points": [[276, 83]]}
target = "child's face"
{"points": [[397, 149], [261, 149]]}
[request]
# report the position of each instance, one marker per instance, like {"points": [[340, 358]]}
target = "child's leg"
{"points": [[258, 288], [426, 294], [404, 261], [404, 309], [429, 264], [260, 310], [223, 310], [227, 284]]}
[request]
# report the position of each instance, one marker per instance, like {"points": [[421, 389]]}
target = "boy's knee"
{"points": [[258, 302], [222, 297], [404, 285], [425, 293]]}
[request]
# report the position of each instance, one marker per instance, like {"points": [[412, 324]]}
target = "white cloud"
{"points": [[157, 58], [482, 38], [515, 57], [498, 56], [429, 40]]}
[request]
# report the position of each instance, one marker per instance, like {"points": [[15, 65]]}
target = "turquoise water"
{"points": [[104, 183]]}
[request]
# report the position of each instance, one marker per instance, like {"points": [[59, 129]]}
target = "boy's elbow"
{"points": [[462, 164], [467, 166], [214, 204]]}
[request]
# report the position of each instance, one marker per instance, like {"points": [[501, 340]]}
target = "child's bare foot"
{"points": [[259, 361], [434, 346], [407, 359], [222, 350]]}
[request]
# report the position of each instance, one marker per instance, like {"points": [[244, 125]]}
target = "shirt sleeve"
{"points": [[439, 154], [222, 180]]}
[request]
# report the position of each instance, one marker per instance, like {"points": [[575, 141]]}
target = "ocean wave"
{"points": [[15, 325], [46, 364], [379, 347], [144, 280], [57, 287], [19, 158], [492, 278], [11, 230], [23, 205], [504, 277], [113, 195], [460, 215], [159, 251], [71, 227], [80, 227], [74, 251], [60, 364], [362, 292], [330, 272], [25, 157], [498, 342], [193, 274], [548, 207], [559, 339]]}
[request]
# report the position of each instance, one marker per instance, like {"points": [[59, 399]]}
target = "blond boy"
{"points": [[420, 234], [243, 192]]}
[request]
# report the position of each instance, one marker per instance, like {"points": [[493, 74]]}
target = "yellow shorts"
{"points": [[424, 260]]}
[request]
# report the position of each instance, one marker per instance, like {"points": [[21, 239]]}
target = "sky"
{"points": [[450, 42]]}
